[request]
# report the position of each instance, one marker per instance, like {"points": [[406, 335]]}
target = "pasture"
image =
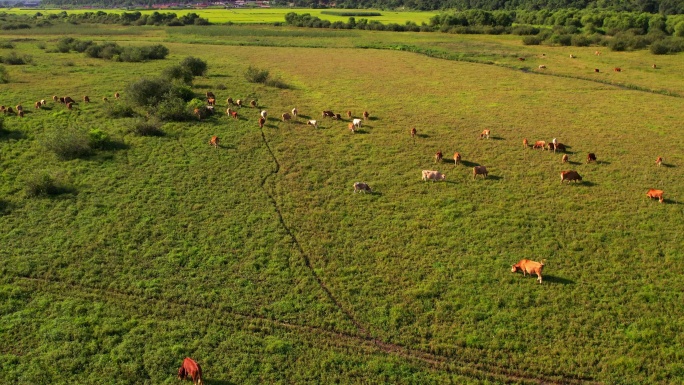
{"points": [[258, 260]]}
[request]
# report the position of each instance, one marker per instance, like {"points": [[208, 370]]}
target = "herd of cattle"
{"points": [[597, 53]]}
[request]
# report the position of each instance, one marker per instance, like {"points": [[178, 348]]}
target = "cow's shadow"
{"points": [[115, 145], [557, 280], [5, 207], [574, 162], [668, 165], [493, 177], [307, 117], [423, 136], [373, 118], [587, 183], [602, 162], [362, 131], [468, 163], [497, 138], [671, 201], [219, 382], [226, 147]]}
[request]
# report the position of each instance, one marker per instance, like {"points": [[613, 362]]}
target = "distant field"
{"points": [[259, 260], [261, 16]]}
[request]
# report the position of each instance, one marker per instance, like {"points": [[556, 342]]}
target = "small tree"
{"points": [[178, 72], [197, 67]]}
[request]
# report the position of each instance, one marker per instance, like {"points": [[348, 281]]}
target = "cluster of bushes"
{"points": [[351, 13], [6, 45], [43, 184], [113, 51], [256, 75], [11, 22], [15, 59], [306, 20]]}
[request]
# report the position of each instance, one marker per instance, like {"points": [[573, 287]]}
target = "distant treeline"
{"points": [[13, 21], [351, 13]]}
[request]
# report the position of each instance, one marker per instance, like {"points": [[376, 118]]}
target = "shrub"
{"points": [[255, 75], [197, 67], [580, 41], [155, 52], [67, 144], [14, 59], [41, 45], [119, 110], [532, 40], [43, 184], [179, 73], [98, 138], [147, 128], [172, 108], [6, 44], [668, 45], [277, 83], [525, 30], [148, 92], [4, 76]]}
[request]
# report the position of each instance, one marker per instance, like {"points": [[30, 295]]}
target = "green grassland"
{"points": [[258, 260]]}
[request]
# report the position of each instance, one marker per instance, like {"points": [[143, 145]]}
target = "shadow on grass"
{"points": [[5, 207], [497, 138], [665, 200], [362, 131], [218, 382], [602, 162], [574, 162], [373, 118], [423, 136], [115, 145], [307, 117], [469, 163], [587, 183], [227, 147], [668, 165], [558, 280], [493, 177], [11, 135]]}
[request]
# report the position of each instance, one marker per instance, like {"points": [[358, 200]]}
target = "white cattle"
{"points": [[312, 123], [433, 175], [263, 114], [357, 123]]}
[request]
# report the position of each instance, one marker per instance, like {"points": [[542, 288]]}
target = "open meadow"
{"points": [[257, 258]]}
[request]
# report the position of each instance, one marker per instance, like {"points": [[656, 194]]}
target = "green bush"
{"points": [[98, 138], [148, 92], [172, 108], [580, 41], [276, 83], [43, 184], [6, 45], [119, 110], [197, 67], [67, 143], [179, 73], [14, 59], [147, 128], [4, 76], [255, 75], [532, 40]]}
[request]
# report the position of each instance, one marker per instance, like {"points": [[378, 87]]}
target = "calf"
{"points": [[360, 186], [659, 161], [457, 158], [652, 193], [191, 369], [357, 123], [591, 157], [564, 159], [438, 156], [117, 95], [617, 69], [570, 176], [529, 267], [480, 170], [349, 114], [234, 114], [365, 115], [253, 103], [214, 141], [312, 123], [286, 117], [294, 112], [413, 132], [526, 144], [351, 127], [433, 175], [596, 70], [238, 103], [539, 144], [261, 122], [484, 134], [37, 105], [86, 99], [328, 114], [230, 102], [541, 67]]}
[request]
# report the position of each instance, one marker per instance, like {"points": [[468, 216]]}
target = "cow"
{"points": [[70, 105], [19, 107], [480, 170], [214, 141], [43, 102], [210, 110], [210, 95], [457, 158], [198, 113], [191, 369], [238, 103], [230, 102], [9, 110], [294, 112], [349, 114], [253, 103], [413, 134], [550, 147], [542, 66], [597, 53], [37, 105], [484, 134], [261, 122], [234, 114], [86, 99], [68, 99], [328, 114], [572, 56], [55, 98], [564, 159], [659, 161], [105, 99], [117, 95], [264, 114], [526, 144], [652, 193], [438, 156], [433, 175], [617, 69], [559, 147], [361, 186], [539, 144], [654, 66], [591, 157], [366, 115], [286, 117], [229, 111], [570, 176], [357, 123], [529, 267], [337, 117], [554, 141], [596, 70], [521, 58], [351, 127], [312, 123], [211, 101], [20, 113]]}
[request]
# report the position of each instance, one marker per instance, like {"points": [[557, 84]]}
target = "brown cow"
{"points": [[352, 127], [198, 113], [55, 98], [328, 114], [438, 156], [361, 186], [229, 101], [550, 146], [484, 134], [521, 58], [337, 117], [526, 144], [564, 159], [529, 267], [19, 107], [104, 99], [234, 114], [597, 53], [43, 102], [37, 105], [659, 161], [539, 144], [570, 176], [480, 170], [191, 369], [238, 103], [366, 115], [349, 114], [86, 99], [559, 147], [652, 193], [68, 99], [253, 103], [654, 66], [214, 141], [617, 69], [70, 105], [286, 117], [413, 132], [591, 157], [20, 113], [261, 122], [211, 101], [210, 95], [457, 158], [596, 70], [9, 110], [117, 95]]}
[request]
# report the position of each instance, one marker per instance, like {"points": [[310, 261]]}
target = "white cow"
{"points": [[357, 123], [361, 186], [312, 123], [263, 114], [433, 175], [294, 112]]}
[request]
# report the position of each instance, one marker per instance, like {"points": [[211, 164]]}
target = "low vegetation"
{"points": [[42, 184]]}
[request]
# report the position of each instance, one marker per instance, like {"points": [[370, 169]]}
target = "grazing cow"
{"points": [[484, 134], [337, 117], [413, 133], [597, 53], [294, 112], [617, 69], [591, 157], [659, 161], [3, 109], [570, 176], [286, 117], [253, 103], [20, 113], [210, 110], [652, 193], [328, 114], [554, 141], [230, 102], [117, 95], [457, 158], [564, 159], [214, 141], [654, 66], [19, 107], [55, 98], [480, 170], [264, 114], [559, 147], [229, 111], [37, 105], [261, 122], [211, 101], [68, 99], [104, 99], [433, 175], [70, 105], [43, 102], [366, 115], [357, 123], [596, 70], [61, 100], [191, 369], [438, 156], [9, 110], [312, 123], [351, 127], [526, 143], [541, 67], [238, 103], [529, 267], [349, 114], [198, 113], [234, 114], [539, 144], [550, 147], [572, 56], [521, 58], [86, 99], [210, 95], [361, 186]]}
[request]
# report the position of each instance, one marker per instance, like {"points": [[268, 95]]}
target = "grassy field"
{"points": [[258, 260], [259, 15]]}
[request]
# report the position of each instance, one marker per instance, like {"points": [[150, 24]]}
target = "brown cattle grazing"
{"points": [[19, 107], [253, 103], [210, 95], [564, 159], [438, 156], [414, 132], [68, 99], [214, 141], [230, 102], [55, 98], [596, 70], [457, 158], [659, 161], [433, 175], [617, 69], [3, 109], [652, 193], [484, 134], [529, 267], [70, 105], [286, 117], [597, 53], [198, 113], [191, 369], [570, 176], [261, 122], [591, 157], [20, 113], [521, 58], [361, 186], [572, 56], [229, 111], [211, 101], [526, 143], [349, 114], [234, 114], [61, 100], [337, 117], [86, 99], [539, 144], [328, 114], [559, 147], [351, 127], [43, 102], [9, 110], [365, 115], [117, 95], [104, 99], [550, 147], [541, 67], [654, 66], [37, 105], [480, 170], [238, 103]]}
